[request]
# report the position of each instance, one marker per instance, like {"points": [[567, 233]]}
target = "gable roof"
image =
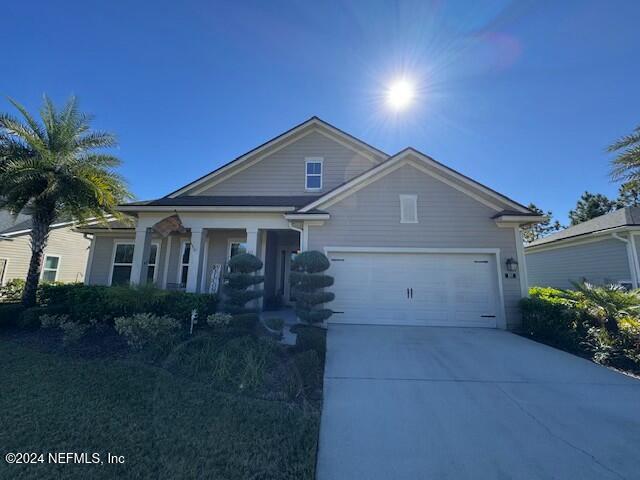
{"points": [[313, 122], [26, 225], [467, 184], [624, 217]]}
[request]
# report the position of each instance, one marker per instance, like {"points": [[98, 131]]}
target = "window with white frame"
{"points": [[122, 263], [313, 173], [236, 247], [408, 209], [50, 268], [184, 263], [153, 261]]}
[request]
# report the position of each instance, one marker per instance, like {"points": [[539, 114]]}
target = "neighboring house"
{"points": [[65, 257], [411, 241], [602, 250]]}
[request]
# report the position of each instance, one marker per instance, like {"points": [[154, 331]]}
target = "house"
{"points": [[602, 250], [65, 256], [411, 241]]}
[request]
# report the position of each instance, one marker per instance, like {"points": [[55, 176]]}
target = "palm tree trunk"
{"points": [[39, 237]]}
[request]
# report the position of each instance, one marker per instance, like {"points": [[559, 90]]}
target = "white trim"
{"points": [[307, 216], [314, 125], [3, 277], [44, 262], [205, 260], [145, 263], [88, 221], [165, 272], [636, 263], [199, 208], [522, 263], [410, 250], [87, 270], [508, 220], [501, 322], [403, 214], [427, 162], [307, 161]]}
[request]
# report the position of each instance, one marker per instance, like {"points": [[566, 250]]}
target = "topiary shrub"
{"points": [[242, 275], [309, 337], [307, 284]]}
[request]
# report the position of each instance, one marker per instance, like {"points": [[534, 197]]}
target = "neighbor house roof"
{"points": [[628, 216], [26, 225]]}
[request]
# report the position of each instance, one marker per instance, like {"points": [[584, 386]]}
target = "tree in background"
{"points": [[49, 169], [590, 206], [307, 284], [536, 231], [628, 195], [625, 166]]}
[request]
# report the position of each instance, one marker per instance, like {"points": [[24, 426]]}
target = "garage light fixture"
{"points": [[512, 265]]}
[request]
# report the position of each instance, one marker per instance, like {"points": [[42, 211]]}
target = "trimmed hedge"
{"points": [[242, 276], [90, 302]]}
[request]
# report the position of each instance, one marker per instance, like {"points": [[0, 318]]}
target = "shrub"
{"points": [[31, 317], [10, 314], [550, 320], [275, 323], [309, 367], [310, 338], [53, 321], [146, 330], [219, 319], [72, 332], [307, 282], [12, 290], [242, 275]]}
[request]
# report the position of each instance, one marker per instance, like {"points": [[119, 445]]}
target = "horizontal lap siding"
{"points": [[283, 172], [600, 262], [72, 248], [447, 218]]}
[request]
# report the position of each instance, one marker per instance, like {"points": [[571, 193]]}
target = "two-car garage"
{"points": [[437, 287]]}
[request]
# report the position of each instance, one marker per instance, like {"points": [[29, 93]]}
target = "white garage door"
{"points": [[415, 289]]}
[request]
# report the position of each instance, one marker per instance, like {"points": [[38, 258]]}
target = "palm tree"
{"points": [[608, 303], [50, 169], [626, 166]]}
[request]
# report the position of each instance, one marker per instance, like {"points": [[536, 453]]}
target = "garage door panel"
{"points": [[447, 289]]}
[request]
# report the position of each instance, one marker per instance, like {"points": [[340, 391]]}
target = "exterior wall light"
{"points": [[512, 265]]}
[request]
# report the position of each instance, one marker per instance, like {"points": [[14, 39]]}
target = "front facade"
{"points": [[411, 242], [65, 256], [602, 251]]}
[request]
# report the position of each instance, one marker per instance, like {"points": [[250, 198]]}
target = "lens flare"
{"points": [[400, 94]]}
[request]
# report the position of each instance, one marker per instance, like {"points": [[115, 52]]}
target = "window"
{"points": [[184, 263], [408, 209], [151, 265], [122, 262], [313, 174], [3, 269], [236, 248], [50, 268]]}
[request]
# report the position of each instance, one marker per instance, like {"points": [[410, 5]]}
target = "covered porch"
{"points": [[195, 254]]}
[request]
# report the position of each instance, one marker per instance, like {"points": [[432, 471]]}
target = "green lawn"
{"points": [[165, 425]]}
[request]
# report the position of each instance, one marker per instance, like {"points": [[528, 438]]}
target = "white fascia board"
{"points": [[307, 216], [511, 220], [200, 208], [578, 240]]}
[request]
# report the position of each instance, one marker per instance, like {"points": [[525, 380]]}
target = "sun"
{"points": [[400, 94]]}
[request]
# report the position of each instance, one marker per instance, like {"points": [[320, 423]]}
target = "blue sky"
{"points": [[523, 96]]}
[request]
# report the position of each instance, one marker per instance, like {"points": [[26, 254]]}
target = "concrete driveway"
{"points": [[453, 403]]}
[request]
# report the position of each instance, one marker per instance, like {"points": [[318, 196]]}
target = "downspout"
{"points": [[633, 268]]}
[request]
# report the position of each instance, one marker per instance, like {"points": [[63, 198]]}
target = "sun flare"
{"points": [[400, 94]]}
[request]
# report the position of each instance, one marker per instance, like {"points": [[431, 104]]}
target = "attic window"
{"points": [[408, 209], [313, 173]]}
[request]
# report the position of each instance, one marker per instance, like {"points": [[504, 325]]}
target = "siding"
{"points": [[283, 172], [70, 246], [600, 262], [447, 219]]}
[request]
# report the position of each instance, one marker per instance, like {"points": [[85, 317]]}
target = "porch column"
{"points": [[252, 241], [140, 256], [195, 259]]}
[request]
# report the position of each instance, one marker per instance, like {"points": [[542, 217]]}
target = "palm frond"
{"points": [[35, 127], [625, 141], [626, 166], [94, 140]]}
